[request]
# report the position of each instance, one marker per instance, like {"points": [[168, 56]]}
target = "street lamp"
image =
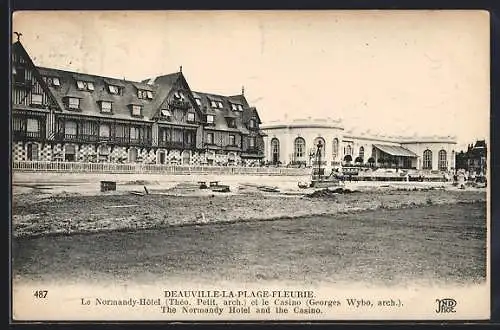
{"points": [[318, 154]]}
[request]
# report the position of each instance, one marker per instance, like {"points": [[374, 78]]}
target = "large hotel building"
{"points": [[77, 117]]}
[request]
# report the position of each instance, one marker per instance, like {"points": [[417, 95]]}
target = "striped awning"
{"points": [[395, 150]]}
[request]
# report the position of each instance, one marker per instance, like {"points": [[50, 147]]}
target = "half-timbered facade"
{"points": [[75, 117]]}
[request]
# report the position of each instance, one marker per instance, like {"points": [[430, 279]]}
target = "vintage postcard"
{"points": [[250, 165]]}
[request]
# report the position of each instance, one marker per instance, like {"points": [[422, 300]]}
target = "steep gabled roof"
{"points": [[89, 100], [18, 47], [164, 85], [239, 99], [251, 112], [222, 114]]}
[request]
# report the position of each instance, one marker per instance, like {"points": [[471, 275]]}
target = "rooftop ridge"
{"points": [[89, 74]]}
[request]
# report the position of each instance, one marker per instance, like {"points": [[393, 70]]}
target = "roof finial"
{"points": [[18, 35], [242, 90], [180, 68]]}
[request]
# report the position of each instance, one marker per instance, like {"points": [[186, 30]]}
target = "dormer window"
{"points": [[198, 101], [213, 104], [106, 107], [240, 107], [115, 90], [84, 85], [52, 81], [36, 99], [190, 117], [210, 119], [234, 107], [143, 94], [219, 104], [165, 113], [136, 110], [73, 103], [179, 95]]}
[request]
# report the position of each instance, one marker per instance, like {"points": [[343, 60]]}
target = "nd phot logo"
{"points": [[446, 305]]}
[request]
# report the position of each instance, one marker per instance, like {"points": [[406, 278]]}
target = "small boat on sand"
{"points": [[215, 186]]}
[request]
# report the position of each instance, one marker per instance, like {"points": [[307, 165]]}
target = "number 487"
{"points": [[41, 293]]}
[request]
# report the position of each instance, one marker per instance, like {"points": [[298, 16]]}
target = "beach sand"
{"points": [[49, 204]]}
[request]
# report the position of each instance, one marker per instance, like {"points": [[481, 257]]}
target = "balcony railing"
{"points": [[25, 135], [140, 142], [94, 138], [176, 145]]}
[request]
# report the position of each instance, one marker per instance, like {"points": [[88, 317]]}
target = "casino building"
{"points": [[296, 142], [68, 116]]}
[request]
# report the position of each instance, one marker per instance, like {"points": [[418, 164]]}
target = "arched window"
{"points": [[442, 162], [132, 155], [300, 147], [231, 158], [427, 160], [361, 152], [32, 151], [103, 152], [69, 152], [348, 150], [161, 157], [186, 157], [275, 150], [335, 148]]}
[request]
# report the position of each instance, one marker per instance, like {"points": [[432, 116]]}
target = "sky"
{"points": [[390, 72]]}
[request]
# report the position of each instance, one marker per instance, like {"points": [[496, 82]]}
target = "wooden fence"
{"points": [[78, 167]]}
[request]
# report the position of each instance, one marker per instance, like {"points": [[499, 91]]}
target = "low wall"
{"points": [[78, 167]]}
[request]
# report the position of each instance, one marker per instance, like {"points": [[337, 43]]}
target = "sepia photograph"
{"points": [[250, 165]]}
